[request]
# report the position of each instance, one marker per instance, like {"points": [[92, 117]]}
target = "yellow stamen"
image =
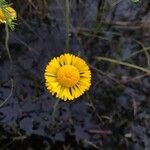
{"points": [[68, 76]]}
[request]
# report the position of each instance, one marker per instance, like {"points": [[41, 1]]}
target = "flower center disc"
{"points": [[68, 76]]}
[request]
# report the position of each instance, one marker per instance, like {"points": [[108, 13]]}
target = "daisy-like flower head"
{"points": [[11, 15], [67, 76]]}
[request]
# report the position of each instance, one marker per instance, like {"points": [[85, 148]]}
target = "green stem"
{"points": [[10, 59], [6, 42], [54, 110], [67, 16]]}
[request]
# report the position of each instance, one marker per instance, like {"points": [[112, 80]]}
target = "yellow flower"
{"points": [[67, 76], [11, 14]]}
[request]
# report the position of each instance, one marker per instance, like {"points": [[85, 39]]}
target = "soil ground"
{"points": [[114, 113]]}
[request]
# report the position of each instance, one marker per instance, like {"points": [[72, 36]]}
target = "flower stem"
{"points": [[11, 65]]}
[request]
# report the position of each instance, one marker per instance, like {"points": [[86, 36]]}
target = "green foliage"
{"points": [[9, 22], [135, 1]]}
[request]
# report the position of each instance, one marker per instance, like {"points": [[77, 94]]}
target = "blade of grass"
{"points": [[146, 52], [14, 140], [123, 63], [137, 52]]}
